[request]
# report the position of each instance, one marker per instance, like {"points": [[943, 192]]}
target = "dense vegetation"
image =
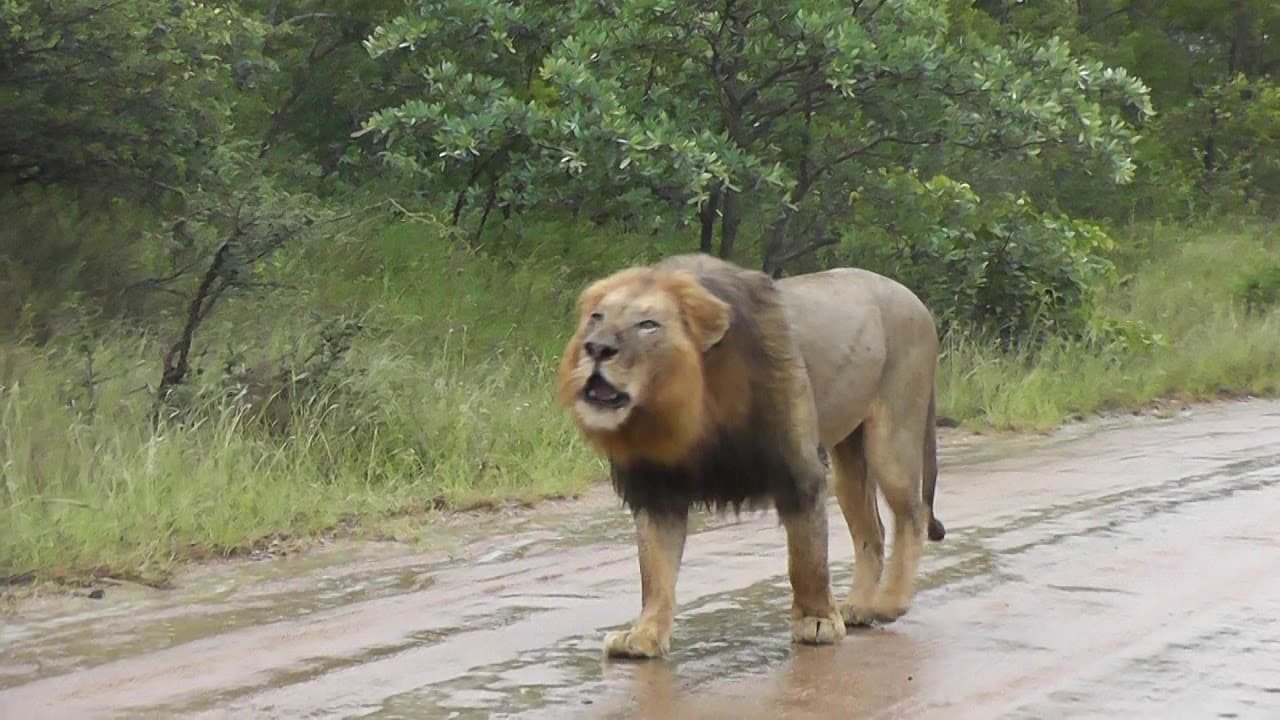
{"points": [[272, 266]]}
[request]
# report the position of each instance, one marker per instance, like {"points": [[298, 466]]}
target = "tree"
{"points": [[131, 94], [314, 83], [786, 108], [1211, 69]]}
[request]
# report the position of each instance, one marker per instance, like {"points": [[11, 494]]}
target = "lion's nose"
{"points": [[600, 351]]}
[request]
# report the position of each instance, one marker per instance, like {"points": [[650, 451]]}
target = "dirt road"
{"points": [[1130, 571]]}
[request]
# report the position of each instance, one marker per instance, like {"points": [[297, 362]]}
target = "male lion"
{"points": [[705, 384]]}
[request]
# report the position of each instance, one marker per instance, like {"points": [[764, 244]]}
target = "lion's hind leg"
{"points": [[857, 497], [895, 465]]}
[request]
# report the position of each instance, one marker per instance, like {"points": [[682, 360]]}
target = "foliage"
{"points": [[1000, 265], [1211, 147], [440, 401], [1176, 287], [791, 105], [314, 86], [1260, 288], [86, 492], [58, 250], [134, 94]]}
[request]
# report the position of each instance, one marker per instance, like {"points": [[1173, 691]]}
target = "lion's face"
{"points": [[638, 349]]}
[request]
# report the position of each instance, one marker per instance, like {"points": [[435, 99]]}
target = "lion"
{"points": [[707, 385]]}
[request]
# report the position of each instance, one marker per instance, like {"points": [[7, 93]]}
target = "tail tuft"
{"points": [[936, 529]]}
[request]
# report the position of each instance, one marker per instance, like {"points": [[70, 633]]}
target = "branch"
{"points": [[166, 186], [300, 83], [872, 12], [803, 250], [419, 217], [777, 75], [845, 157], [1098, 21], [1004, 148], [762, 124], [296, 19], [177, 359], [250, 285], [155, 283]]}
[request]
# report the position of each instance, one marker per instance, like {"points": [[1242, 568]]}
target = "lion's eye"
{"points": [[648, 325], [596, 317]]}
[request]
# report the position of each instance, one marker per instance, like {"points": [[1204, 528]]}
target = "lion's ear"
{"points": [[706, 315]]}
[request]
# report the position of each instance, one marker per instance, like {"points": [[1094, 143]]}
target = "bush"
{"points": [[1260, 289], [59, 247], [1000, 266]]}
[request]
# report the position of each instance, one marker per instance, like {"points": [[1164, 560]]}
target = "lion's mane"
{"points": [[746, 452]]}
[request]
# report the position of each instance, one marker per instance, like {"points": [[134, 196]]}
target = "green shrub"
{"points": [[1000, 266], [1260, 289]]}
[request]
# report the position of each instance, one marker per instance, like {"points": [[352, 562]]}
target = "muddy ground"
{"points": [[1121, 569]]}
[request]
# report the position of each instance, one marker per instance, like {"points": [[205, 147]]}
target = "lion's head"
{"points": [[633, 373]]}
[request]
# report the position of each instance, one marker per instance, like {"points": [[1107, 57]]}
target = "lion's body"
{"points": [[870, 349], [707, 384]]}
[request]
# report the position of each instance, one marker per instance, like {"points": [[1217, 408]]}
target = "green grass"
{"points": [[1181, 284], [445, 399], [102, 493]]}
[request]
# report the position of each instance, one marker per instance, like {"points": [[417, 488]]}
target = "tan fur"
{"points": [[872, 345], [675, 379], [844, 359], [660, 543]]}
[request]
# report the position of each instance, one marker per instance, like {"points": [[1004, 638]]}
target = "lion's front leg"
{"points": [[815, 619], [660, 540]]}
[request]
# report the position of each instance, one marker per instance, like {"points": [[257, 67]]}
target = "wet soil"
{"points": [[1120, 569]]}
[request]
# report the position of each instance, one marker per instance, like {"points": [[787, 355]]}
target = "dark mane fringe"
{"points": [[737, 472], [754, 463]]}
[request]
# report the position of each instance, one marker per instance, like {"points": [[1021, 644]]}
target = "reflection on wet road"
{"points": [[1128, 572]]}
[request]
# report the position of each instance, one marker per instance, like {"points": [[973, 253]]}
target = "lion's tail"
{"points": [[937, 530]]}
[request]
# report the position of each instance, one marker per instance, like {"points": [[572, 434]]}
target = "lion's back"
{"points": [[852, 326]]}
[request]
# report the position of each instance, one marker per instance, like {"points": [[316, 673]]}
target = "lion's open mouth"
{"points": [[599, 392]]}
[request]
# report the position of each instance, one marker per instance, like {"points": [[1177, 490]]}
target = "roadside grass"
{"points": [[445, 399], [102, 493], [443, 402], [1181, 284]]}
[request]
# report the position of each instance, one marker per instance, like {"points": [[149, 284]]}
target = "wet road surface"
{"points": [[1124, 571]]}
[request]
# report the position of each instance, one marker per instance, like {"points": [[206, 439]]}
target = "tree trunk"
{"points": [[459, 205], [177, 363], [730, 220], [1210, 143], [775, 244], [490, 199], [707, 216]]}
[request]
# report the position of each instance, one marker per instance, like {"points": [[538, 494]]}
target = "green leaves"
{"points": [[998, 264], [790, 115], [131, 93], [786, 103]]}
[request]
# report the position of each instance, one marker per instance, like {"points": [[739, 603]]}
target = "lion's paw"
{"points": [[879, 610], [636, 643], [885, 609], [857, 614], [817, 630]]}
